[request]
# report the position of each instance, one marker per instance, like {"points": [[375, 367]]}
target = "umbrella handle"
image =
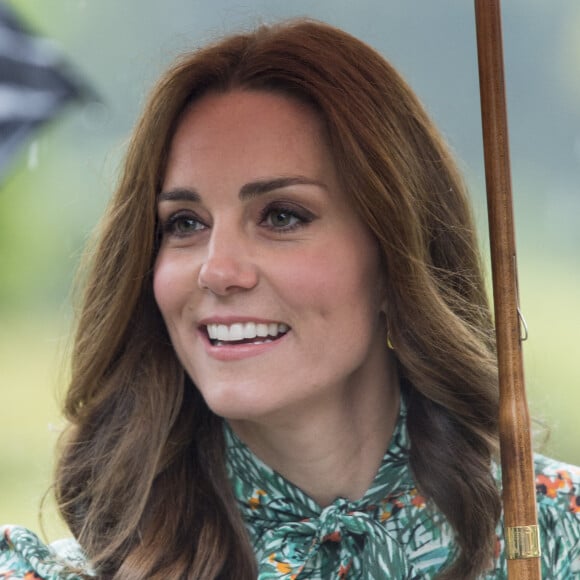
{"points": [[519, 493]]}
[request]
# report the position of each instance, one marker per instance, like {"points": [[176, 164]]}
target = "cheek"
{"points": [[335, 277], [170, 284], [305, 281]]}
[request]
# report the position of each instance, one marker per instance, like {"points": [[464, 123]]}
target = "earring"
{"points": [[389, 342]]}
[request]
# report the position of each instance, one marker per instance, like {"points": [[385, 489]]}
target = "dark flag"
{"points": [[35, 83]]}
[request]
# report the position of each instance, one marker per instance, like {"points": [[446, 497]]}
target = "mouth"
{"points": [[245, 333]]}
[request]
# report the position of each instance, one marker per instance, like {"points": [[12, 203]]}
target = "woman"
{"points": [[286, 284]]}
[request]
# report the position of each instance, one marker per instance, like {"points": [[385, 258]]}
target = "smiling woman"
{"points": [[249, 252], [284, 366]]}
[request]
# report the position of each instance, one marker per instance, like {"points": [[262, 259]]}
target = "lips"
{"points": [[245, 332]]}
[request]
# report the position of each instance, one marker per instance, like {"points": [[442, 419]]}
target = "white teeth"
{"points": [[222, 332], [249, 330], [236, 332], [245, 330]]}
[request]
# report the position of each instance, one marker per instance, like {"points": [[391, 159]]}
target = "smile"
{"points": [[245, 332]]}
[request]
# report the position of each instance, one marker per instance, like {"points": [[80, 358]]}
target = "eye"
{"points": [[282, 218], [182, 224]]}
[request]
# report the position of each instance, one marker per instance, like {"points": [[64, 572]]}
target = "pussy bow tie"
{"points": [[295, 539], [338, 543]]}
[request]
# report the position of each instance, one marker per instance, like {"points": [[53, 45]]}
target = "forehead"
{"points": [[260, 130]]}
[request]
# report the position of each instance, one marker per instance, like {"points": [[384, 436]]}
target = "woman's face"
{"points": [[268, 282]]}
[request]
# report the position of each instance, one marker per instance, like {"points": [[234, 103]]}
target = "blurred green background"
{"points": [[59, 185]]}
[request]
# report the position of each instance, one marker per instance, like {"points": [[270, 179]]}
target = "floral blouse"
{"points": [[392, 532]]}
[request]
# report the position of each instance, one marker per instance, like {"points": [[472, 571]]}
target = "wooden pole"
{"points": [[519, 494]]}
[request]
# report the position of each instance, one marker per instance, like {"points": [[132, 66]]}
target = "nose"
{"points": [[228, 266]]}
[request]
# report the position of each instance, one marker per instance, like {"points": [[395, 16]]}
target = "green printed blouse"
{"points": [[391, 533]]}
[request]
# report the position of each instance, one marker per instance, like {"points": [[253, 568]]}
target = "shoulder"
{"points": [[557, 486], [23, 555], [558, 497]]}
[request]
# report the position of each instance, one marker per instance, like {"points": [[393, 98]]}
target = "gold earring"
{"points": [[389, 342]]}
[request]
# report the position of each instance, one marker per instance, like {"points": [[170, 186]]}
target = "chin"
{"points": [[236, 402]]}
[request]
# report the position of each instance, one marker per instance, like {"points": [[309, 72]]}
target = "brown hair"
{"points": [[141, 479]]}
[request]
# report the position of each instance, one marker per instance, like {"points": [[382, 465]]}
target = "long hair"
{"points": [[141, 479]]}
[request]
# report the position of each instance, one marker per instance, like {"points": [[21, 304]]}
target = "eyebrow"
{"points": [[262, 186], [179, 194], [247, 191]]}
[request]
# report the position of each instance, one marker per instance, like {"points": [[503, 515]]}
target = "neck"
{"points": [[332, 448]]}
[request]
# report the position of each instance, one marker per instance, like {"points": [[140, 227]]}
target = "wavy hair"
{"points": [[141, 479]]}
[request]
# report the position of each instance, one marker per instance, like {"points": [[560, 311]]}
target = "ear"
{"points": [[384, 300], [383, 307], [382, 293]]}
